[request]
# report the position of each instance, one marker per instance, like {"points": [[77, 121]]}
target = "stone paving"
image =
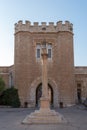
{"points": [[11, 118]]}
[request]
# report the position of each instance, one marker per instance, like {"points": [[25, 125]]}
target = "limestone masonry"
{"points": [[67, 84]]}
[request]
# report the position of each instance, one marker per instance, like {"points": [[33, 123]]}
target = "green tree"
{"points": [[10, 97], [2, 85]]}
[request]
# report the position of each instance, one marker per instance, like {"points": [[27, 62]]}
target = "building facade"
{"points": [[67, 84]]}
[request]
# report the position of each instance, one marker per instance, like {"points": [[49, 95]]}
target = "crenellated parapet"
{"points": [[43, 27]]}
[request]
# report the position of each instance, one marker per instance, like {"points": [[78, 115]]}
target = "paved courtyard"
{"points": [[11, 118]]}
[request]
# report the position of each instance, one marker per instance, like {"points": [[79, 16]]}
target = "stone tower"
{"points": [[27, 64]]}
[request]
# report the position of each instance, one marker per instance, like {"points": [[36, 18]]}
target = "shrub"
{"points": [[10, 97]]}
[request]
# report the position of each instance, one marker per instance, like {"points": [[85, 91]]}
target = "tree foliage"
{"points": [[10, 97]]}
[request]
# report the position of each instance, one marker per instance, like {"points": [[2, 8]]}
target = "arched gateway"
{"points": [[39, 94], [35, 88]]}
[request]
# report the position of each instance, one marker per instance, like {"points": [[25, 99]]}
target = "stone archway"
{"points": [[31, 98], [39, 94]]}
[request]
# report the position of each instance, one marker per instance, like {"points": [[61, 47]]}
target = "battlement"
{"points": [[43, 27]]}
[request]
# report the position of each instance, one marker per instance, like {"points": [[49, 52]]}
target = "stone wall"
{"points": [[43, 27], [60, 67], [4, 73], [7, 73], [81, 78]]}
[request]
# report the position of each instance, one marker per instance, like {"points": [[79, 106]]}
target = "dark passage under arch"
{"points": [[39, 94]]}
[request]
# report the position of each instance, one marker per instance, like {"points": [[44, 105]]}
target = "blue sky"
{"points": [[11, 11]]}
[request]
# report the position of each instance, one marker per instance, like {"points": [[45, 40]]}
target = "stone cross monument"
{"points": [[44, 115], [44, 101]]}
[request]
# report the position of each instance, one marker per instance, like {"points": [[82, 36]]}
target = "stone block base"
{"points": [[44, 103], [44, 116]]}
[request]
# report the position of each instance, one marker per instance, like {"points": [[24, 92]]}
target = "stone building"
{"points": [[67, 84]]}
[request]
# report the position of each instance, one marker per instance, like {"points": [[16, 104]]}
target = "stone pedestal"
{"points": [[44, 103], [44, 116]]}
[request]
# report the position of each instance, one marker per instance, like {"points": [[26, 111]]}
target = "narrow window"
{"points": [[49, 53], [38, 50], [49, 48], [38, 53]]}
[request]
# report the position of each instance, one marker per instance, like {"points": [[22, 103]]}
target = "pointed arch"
{"points": [[31, 98]]}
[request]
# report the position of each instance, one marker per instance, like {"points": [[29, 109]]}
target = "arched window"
{"points": [[38, 50]]}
